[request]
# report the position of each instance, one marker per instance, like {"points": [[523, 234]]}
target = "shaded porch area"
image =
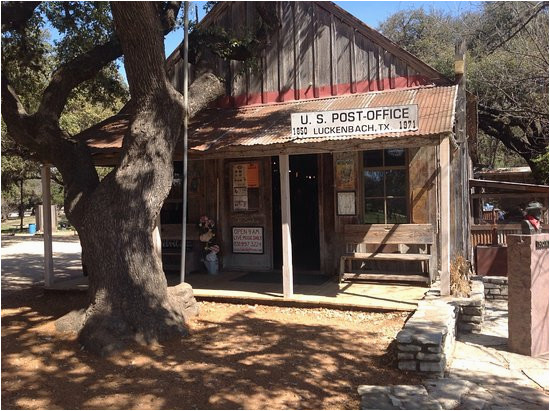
{"points": [[309, 290]]}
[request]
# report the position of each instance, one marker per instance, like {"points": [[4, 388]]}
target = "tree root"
{"points": [[104, 332]]}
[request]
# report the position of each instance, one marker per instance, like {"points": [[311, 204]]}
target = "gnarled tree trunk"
{"points": [[128, 289], [115, 218]]}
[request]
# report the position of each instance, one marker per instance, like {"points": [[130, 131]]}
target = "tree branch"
{"points": [[68, 76], [169, 15], [15, 14], [15, 115], [541, 6], [85, 66]]}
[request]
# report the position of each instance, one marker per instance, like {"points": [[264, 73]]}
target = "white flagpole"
{"points": [[185, 125]]}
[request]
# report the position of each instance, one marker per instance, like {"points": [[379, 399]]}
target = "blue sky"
{"points": [[371, 12]]}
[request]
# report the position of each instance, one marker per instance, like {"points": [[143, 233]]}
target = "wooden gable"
{"points": [[319, 51]]}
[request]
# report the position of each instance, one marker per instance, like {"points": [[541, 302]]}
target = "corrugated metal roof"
{"points": [[214, 130], [262, 125]]}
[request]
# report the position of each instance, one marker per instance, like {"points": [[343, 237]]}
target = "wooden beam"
{"points": [[333, 64], [505, 185], [331, 146], [510, 195], [45, 174], [445, 215], [288, 283]]}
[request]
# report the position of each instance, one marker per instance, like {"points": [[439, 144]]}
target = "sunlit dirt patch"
{"points": [[237, 357]]}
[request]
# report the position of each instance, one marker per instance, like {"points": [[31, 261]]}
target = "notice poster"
{"points": [[346, 203], [240, 203], [240, 175], [248, 240], [253, 175], [240, 190], [345, 171]]}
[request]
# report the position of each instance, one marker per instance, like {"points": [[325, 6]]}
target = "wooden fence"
{"points": [[482, 234]]}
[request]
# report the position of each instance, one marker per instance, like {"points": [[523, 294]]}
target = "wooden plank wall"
{"points": [[315, 53]]}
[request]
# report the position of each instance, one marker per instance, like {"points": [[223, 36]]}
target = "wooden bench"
{"points": [[358, 238]]}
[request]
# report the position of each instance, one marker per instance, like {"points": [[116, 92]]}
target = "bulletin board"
{"points": [[245, 186]]}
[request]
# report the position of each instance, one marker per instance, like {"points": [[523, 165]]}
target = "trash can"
{"points": [[32, 228]]}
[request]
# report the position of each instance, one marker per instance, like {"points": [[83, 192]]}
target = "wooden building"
{"points": [[340, 155]]}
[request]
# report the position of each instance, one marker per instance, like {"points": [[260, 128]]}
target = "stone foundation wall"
{"points": [[427, 339], [471, 309], [496, 287]]}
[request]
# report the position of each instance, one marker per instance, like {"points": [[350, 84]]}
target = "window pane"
{"points": [[374, 183], [374, 211], [372, 158], [394, 157], [397, 210], [396, 184]]}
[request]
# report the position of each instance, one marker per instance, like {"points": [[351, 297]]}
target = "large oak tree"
{"points": [[129, 297], [115, 217]]}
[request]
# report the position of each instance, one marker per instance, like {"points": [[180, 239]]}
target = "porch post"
{"points": [[285, 222], [445, 215], [47, 225]]}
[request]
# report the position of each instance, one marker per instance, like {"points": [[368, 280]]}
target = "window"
{"points": [[385, 183]]}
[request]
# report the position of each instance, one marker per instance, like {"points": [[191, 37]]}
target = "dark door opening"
{"points": [[304, 213]]}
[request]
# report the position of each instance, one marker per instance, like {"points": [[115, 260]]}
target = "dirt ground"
{"points": [[237, 357]]}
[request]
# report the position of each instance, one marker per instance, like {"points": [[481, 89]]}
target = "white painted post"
{"points": [[445, 215], [288, 283], [47, 225]]}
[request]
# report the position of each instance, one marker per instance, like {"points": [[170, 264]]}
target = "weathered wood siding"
{"points": [[422, 185], [319, 51]]}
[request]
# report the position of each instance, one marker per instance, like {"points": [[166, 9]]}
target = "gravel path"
{"points": [[23, 260]]}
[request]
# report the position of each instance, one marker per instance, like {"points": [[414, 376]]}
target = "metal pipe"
{"points": [[47, 225], [185, 126]]}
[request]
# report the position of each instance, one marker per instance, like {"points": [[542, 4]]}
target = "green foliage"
{"points": [[491, 153], [209, 5], [507, 68], [427, 35], [31, 49], [29, 58], [541, 167]]}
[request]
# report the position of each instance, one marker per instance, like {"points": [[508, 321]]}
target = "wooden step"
{"points": [[387, 256], [381, 277]]}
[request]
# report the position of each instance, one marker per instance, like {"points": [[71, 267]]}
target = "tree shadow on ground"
{"points": [[25, 269], [241, 361]]}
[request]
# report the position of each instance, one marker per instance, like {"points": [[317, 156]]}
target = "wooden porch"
{"points": [[229, 287], [237, 287]]}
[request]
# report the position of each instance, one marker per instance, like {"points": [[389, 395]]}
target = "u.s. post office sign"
{"points": [[359, 121]]}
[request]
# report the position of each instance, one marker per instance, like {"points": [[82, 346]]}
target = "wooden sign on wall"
{"points": [[248, 240]]}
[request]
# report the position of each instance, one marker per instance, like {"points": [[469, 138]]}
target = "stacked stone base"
{"points": [[496, 287], [427, 340], [471, 309]]}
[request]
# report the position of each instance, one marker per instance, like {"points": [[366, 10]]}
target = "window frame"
{"points": [[385, 197]]}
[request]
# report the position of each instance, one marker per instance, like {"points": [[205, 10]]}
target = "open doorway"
{"points": [[304, 210]]}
